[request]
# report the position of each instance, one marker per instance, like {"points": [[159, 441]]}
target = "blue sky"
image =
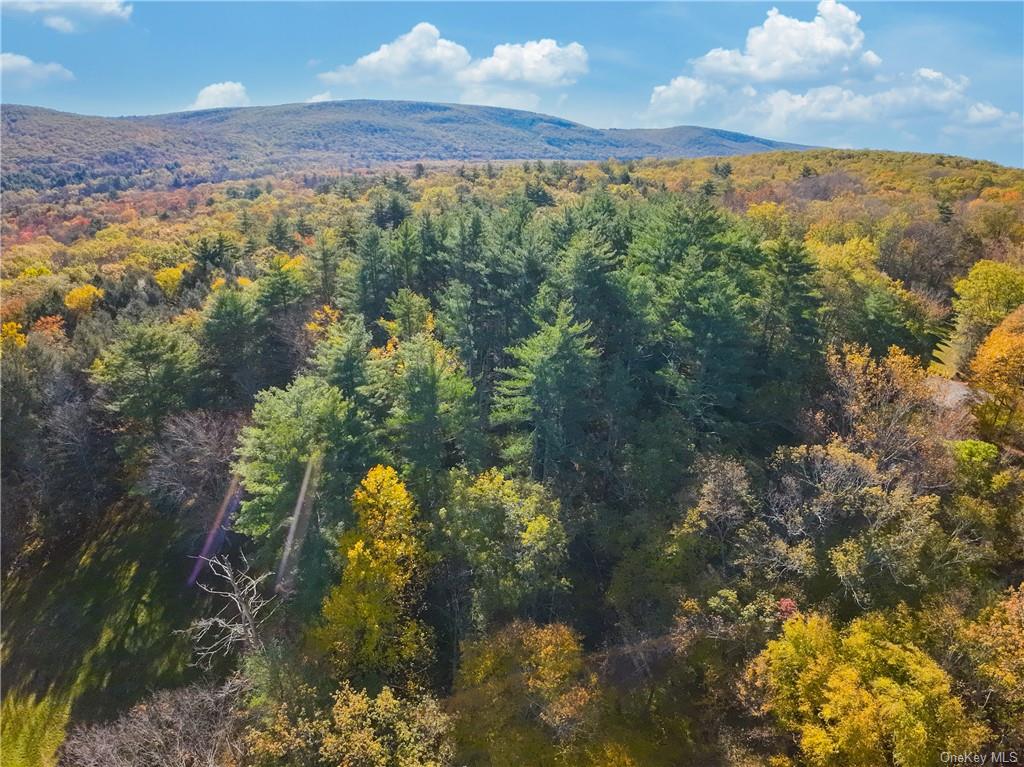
{"points": [[945, 77]]}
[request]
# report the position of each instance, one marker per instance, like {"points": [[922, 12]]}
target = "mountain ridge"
{"points": [[46, 147]]}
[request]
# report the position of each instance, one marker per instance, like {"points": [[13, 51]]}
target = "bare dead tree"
{"points": [[289, 329], [191, 465], [236, 626], [726, 500], [192, 726]]}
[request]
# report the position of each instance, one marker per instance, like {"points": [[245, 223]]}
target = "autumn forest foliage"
{"points": [[713, 461]]}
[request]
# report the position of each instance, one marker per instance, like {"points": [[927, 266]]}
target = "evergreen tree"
{"points": [[302, 227], [341, 358], [212, 253], [279, 235], [230, 341], [404, 253], [432, 419], [433, 251], [587, 276], [290, 427], [153, 370], [375, 278], [545, 398], [280, 294], [325, 261], [786, 325]]}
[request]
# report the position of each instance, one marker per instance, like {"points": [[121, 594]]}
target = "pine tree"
{"points": [[229, 343], [325, 260], [432, 419], [788, 335], [375, 278], [341, 358], [404, 252], [545, 397], [152, 371], [433, 251], [279, 235]]}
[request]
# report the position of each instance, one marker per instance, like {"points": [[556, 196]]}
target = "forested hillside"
{"points": [[45, 149], [707, 461]]}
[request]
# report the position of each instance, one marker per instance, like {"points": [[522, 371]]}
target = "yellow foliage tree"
{"points": [[885, 407], [83, 299], [998, 370], [989, 292], [358, 730], [169, 279], [771, 220], [994, 643], [368, 627], [11, 336], [862, 696], [863, 304], [523, 692]]}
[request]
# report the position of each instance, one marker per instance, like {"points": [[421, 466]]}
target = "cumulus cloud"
{"points": [[784, 48], [983, 119], [421, 52], [22, 70], [983, 113], [682, 96], [922, 95], [779, 111], [217, 95], [508, 77], [59, 24], [924, 92], [816, 74], [316, 98], [871, 59], [781, 50], [537, 62]]}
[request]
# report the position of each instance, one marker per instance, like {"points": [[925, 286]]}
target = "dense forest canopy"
{"points": [[650, 463]]}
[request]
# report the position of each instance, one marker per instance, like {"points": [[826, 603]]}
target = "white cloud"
{"points": [[925, 92], [871, 59], [217, 95], [983, 113], [784, 48], [829, 103], [681, 96], [537, 62], [989, 122], [316, 98], [507, 77], [24, 71], [419, 53], [112, 9], [817, 78], [924, 73], [60, 24]]}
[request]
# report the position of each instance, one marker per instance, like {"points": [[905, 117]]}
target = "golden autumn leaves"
{"points": [[369, 626]]}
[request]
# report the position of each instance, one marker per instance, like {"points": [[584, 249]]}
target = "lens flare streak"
{"points": [[215, 537], [300, 523]]}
